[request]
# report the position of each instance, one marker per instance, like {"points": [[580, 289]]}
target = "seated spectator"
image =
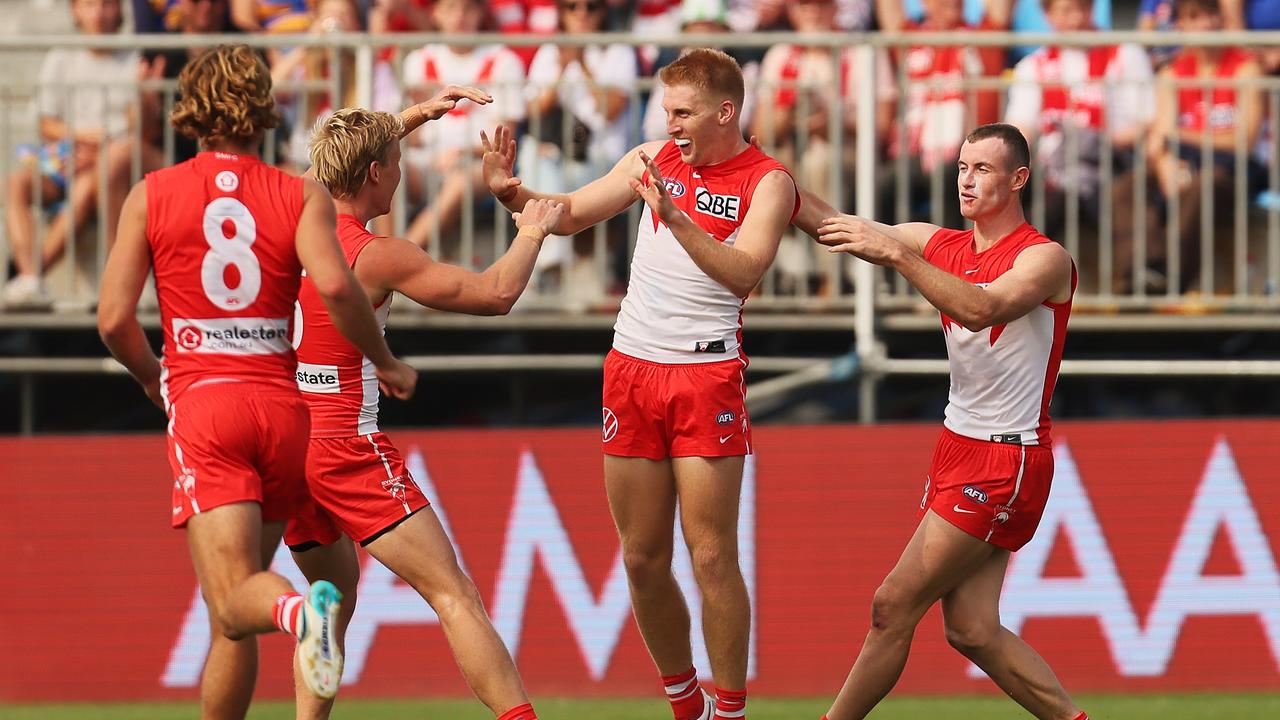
{"points": [[1186, 117], [273, 16], [658, 20], [443, 157], [579, 126], [83, 101], [794, 97], [939, 107], [1065, 100], [1157, 15]]}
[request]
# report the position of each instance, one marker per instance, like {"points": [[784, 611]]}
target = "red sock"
{"points": [[1082, 716], [288, 613], [731, 704], [520, 712], [685, 694]]}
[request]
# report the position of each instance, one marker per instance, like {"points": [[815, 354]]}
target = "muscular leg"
{"points": [[419, 552], [972, 615], [642, 499], [229, 548], [938, 557], [339, 564], [709, 490]]}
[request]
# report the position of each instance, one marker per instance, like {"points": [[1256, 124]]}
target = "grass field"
{"points": [[1100, 707]]}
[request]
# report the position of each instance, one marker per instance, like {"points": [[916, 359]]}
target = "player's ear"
{"points": [[1020, 178], [374, 173], [727, 112]]}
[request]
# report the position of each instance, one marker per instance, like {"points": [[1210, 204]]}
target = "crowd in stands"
{"points": [[577, 109]]}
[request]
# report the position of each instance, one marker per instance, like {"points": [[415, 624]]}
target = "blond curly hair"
{"points": [[225, 97], [345, 143]]}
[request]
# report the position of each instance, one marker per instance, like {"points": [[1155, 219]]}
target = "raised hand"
{"points": [[447, 99], [654, 192], [499, 162], [539, 213]]}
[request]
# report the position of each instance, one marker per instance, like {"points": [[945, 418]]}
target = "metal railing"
{"points": [[803, 285]]}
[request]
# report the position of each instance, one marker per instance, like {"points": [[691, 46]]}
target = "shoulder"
{"points": [[1041, 251]]}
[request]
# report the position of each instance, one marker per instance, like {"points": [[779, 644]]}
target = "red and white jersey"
{"points": [[1054, 86], [335, 378], [1220, 112], [492, 67], [1002, 377], [221, 229], [673, 312]]}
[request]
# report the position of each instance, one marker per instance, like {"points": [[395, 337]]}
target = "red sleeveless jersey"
{"points": [[221, 229], [336, 380], [1002, 377], [1219, 112]]}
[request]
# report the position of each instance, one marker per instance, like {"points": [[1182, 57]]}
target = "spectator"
{"points": [[273, 16], [1157, 15], [1060, 103], [794, 98], [939, 106], [290, 70], [84, 101], [1186, 117], [578, 98], [443, 158]]}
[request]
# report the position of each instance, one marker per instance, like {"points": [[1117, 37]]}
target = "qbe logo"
{"points": [[721, 206], [609, 427], [975, 494], [675, 188]]}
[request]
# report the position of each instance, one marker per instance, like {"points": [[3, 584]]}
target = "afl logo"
{"points": [[189, 337], [675, 188], [609, 427], [226, 181]]}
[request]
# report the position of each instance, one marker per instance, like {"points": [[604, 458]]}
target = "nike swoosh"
{"points": [[970, 272], [958, 509], [725, 439]]}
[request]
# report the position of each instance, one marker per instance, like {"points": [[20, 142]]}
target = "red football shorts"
{"points": [[656, 410], [234, 442], [360, 487], [993, 491]]}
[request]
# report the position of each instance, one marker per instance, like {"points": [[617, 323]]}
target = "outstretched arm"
{"points": [[122, 279], [815, 213], [399, 265], [1040, 273], [593, 203], [439, 105]]}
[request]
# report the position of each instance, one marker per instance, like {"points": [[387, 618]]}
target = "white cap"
{"points": [[692, 11]]}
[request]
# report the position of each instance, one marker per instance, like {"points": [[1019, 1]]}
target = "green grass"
{"points": [[1100, 707]]}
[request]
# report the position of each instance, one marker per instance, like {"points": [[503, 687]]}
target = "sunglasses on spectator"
{"points": [[590, 6]]}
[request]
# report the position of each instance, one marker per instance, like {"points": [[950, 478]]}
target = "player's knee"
{"points": [[646, 565], [890, 608], [453, 593], [19, 188], [713, 563], [969, 638]]}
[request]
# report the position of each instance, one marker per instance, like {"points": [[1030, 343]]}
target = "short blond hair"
{"points": [[226, 96], [345, 143], [708, 70]]}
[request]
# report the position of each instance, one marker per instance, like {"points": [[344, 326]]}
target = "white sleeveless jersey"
{"points": [[674, 312], [1002, 377]]}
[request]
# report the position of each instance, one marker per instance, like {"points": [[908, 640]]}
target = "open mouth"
{"points": [[682, 142]]}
